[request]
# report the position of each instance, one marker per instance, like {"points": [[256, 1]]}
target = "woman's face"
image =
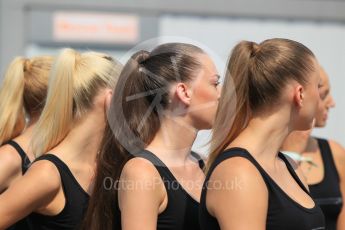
{"points": [[205, 94], [326, 100], [310, 100]]}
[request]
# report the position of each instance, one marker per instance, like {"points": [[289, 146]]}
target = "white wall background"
{"points": [[326, 40]]}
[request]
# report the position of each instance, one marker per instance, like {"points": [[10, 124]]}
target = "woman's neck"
{"points": [[264, 136], [298, 142], [83, 141], [24, 139], [173, 141]]}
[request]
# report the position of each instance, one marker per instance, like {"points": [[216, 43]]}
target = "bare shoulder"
{"points": [[236, 175], [143, 174], [139, 168], [140, 187], [9, 158], [236, 166], [237, 191], [45, 173], [41, 183], [10, 166]]}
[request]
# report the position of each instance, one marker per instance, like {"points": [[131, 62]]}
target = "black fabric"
{"points": [[76, 201], [199, 159], [327, 193], [25, 159], [182, 210], [283, 212], [23, 224]]}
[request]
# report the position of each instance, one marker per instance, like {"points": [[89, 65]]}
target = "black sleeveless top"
{"points": [[327, 193], [23, 224], [283, 213], [182, 210], [75, 197], [25, 159]]}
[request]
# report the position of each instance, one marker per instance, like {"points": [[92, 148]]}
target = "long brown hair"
{"points": [[259, 73], [130, 126]]}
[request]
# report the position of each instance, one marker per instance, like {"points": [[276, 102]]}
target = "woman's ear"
{"points": [[108, 97], [183, 93], [299, 95]]}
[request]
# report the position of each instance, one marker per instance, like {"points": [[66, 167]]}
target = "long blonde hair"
{"points": [[259, 73], [23, 93], [74, 82]]}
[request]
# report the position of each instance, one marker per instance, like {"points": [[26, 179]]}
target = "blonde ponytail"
{"points": [[12, 114], [57, 115], [74, 81]]}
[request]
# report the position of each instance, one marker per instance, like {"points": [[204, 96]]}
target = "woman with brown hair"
{"points": [[324, 168], [163, 98], [249, 183]]}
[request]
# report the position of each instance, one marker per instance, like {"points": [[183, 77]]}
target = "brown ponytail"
{"points": [[133, 121], [259, 73]]}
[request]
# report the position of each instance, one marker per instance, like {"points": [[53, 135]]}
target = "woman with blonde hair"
{"points": [[249, 183], [322, 162], [22, 97], [66, 141]]}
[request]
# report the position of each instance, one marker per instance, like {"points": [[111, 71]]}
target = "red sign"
{"points": [[96, 27]]}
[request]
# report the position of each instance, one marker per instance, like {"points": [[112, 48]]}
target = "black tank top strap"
{"points": [[25, 162], [283, 212], [327, 157], [327, 192], [234, 152], [293, 172], [59, 164], [163, 170], [76, 200], [181, 212], [159, 165], [199, 159], [25, 159], [238, 152], [65, 173]]}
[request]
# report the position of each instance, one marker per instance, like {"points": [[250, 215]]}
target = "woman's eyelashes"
{"points": [[324, 95], [217, 81]]}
